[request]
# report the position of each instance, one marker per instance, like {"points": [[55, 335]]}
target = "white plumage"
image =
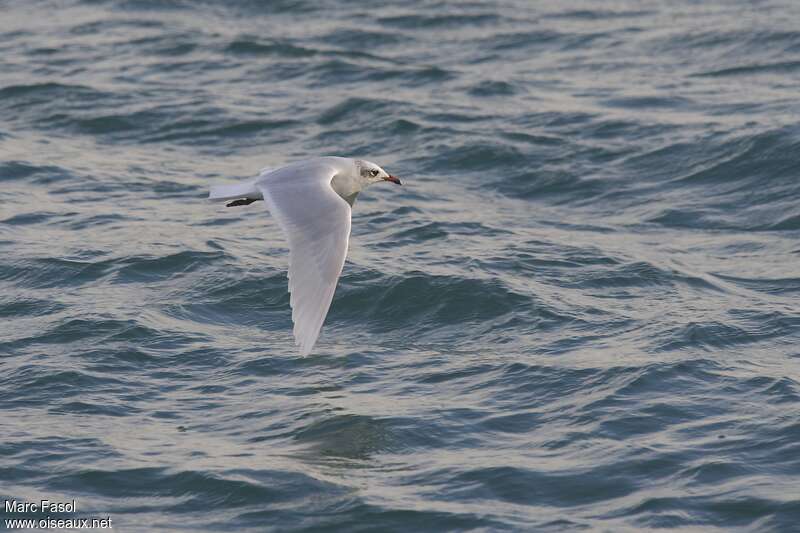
{"points": [[311, 200]]}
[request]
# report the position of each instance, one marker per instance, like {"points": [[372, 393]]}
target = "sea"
{"points": [[580, 311]]}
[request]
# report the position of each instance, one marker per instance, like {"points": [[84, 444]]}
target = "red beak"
{"points": [[393, 179]]}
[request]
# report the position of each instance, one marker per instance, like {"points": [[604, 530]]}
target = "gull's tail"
{"points": [[244, 189]]}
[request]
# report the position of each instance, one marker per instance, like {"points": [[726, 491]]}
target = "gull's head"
{"points": [[369, 173]]}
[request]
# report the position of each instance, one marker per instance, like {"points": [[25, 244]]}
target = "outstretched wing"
{"points": [[316, 222]]}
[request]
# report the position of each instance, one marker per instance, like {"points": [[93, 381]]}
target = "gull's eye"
{"points": [[373, 172]]}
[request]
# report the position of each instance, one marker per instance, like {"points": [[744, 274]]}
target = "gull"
{"points": [[312, 201]]}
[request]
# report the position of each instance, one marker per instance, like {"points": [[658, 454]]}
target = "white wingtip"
{"points": [[316, 221]]}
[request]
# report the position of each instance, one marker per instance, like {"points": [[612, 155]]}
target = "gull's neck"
{"points": [[346, 182]]}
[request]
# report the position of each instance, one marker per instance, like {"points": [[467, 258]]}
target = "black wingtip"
{"points": [[241, 201]]}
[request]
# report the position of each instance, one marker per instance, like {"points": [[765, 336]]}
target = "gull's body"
{"points": [[311, 200]]}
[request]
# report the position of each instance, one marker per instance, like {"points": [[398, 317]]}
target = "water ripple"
{"points": [[577, 313]]}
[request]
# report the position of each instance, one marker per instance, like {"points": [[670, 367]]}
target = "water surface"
{"points": [[579, 312]]}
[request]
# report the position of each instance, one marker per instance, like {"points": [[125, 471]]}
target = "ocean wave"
{"points": [[578, 312]]}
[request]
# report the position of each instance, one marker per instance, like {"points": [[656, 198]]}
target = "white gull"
{"points": [[312, 201]]}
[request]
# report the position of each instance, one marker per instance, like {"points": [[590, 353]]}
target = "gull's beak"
{"points": [[393, 179]]}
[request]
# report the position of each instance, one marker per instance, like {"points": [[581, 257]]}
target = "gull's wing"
{"points": [[316, 222]]}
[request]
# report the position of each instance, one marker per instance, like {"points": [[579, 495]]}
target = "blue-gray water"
{"points": [[579, 312]]}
